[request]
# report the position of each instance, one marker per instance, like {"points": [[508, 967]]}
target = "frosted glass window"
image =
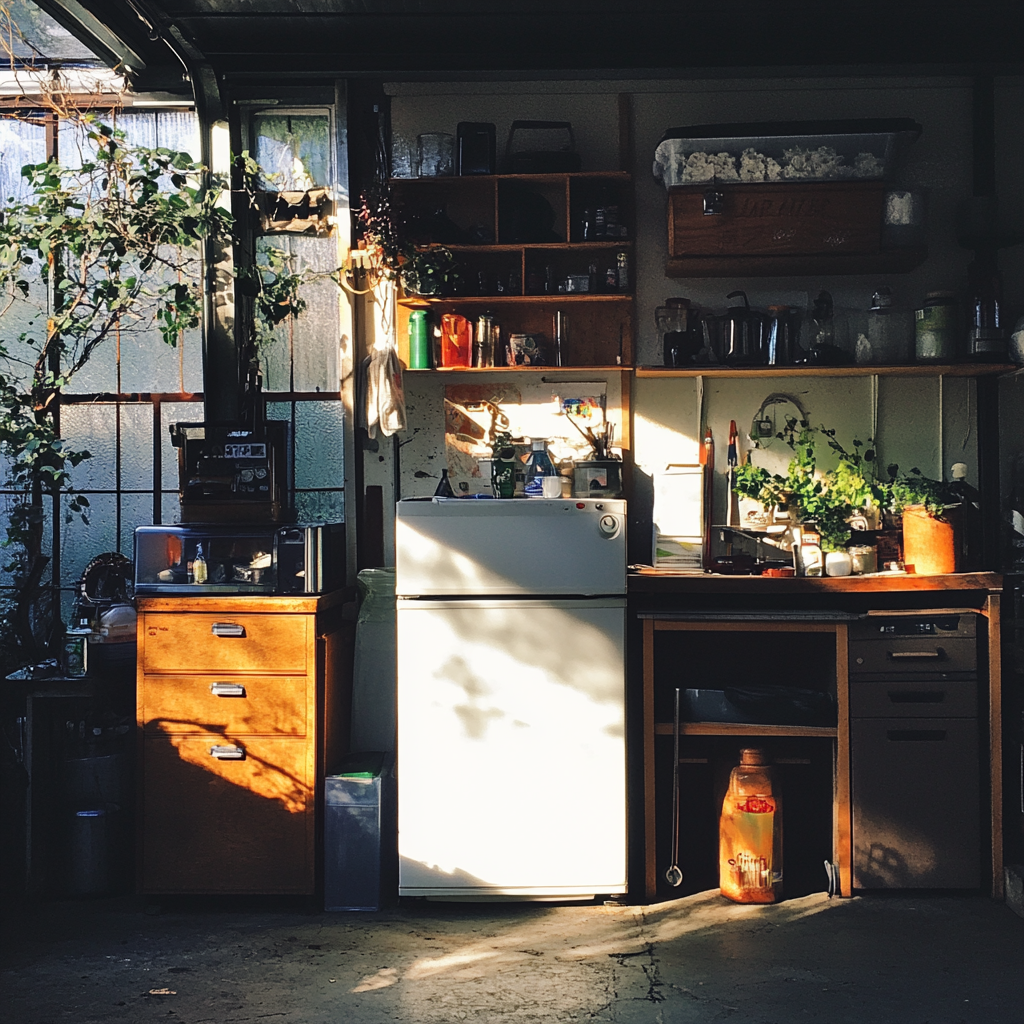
{"points": [[319, 444], [304, 354], [20, 144], [293, 150], [41, 37]]}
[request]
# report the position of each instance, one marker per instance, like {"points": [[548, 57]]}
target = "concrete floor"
{"points": [[897, 960]]}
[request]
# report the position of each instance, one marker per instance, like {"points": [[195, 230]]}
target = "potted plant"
{"points": [[829, 499], [424, 270], [932, 522]]}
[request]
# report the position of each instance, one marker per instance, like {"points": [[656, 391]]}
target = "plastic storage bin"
{"points": [[360, 838]]}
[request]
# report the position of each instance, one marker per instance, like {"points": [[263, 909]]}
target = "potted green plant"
{"points": [[828, 499], [423, 270], [932, 521]]}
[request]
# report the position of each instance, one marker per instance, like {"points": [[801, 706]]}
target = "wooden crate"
{"points": [[777, 219]]}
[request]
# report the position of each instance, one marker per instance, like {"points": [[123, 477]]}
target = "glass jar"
{"points": [[935, 328]]}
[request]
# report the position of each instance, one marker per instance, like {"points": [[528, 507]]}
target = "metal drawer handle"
{"points": [[923, 735], [917, 696], [227, 689], [937, 653], [227, 629], [225, 753]]}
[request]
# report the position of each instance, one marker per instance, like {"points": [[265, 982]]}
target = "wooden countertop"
{"points": [[666, 582], [269, 603]]}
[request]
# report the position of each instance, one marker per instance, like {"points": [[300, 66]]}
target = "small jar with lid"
{"points": [[864, 558], [935, 328]]}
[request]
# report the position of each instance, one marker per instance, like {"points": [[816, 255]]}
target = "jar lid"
{"points": [[753, 755], [678, 301], [948, 296]]}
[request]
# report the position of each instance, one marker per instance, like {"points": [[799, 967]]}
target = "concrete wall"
{"points": [[928, 423]]}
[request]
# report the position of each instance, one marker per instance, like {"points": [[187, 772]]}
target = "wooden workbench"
{"points": [[668, 602]]}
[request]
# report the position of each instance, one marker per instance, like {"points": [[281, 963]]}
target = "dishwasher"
{"points": [[914, 750]]}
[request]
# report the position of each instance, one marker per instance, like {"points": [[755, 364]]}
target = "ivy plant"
{"points": [[96, 250]]}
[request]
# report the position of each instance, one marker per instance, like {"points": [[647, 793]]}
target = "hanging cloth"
{"points": [[385, 395]]}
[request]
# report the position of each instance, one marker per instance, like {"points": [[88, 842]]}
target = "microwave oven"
{"points": [[299, 558]]}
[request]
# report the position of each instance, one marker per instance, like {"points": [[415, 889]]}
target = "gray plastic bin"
{"points": [[360, 839]]}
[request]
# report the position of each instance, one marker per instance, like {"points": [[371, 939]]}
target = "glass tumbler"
{"points": [[436, 151]]}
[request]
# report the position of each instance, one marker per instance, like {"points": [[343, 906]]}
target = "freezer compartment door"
{"points": [[511, 747], [462, 548]]}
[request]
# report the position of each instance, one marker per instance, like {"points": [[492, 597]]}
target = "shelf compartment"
{"points": [[745, 729]]}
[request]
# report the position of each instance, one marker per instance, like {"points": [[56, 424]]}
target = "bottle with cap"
{"points": [[538, 466], [889, 338], [750, 833], [199, 571], [419, 340], [970, 503]]}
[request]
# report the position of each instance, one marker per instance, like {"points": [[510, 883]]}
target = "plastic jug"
{"points": [[750, 833]]}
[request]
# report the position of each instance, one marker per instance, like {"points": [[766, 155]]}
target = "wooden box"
{"points": [[777, 219]]}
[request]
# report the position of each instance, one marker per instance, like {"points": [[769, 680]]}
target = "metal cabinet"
{"points": [[914, 751]]}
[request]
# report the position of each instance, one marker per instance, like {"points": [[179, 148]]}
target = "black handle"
{"points": [[917, 696], [916, 735]]}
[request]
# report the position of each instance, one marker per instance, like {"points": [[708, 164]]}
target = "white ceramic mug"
{"points": [[551, 486]]}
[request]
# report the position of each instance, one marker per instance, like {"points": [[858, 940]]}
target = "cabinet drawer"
{"points": [[906, 654], [226, 642], [226, 826], [906, 699], [265, 705]]}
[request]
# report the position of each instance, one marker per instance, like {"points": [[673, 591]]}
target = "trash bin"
{"points": [[360, 838], [95, 851], [374, 668]]}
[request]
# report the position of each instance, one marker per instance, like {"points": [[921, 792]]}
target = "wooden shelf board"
{"points": [[520, 369], [601, 243], [488, 300], [888, 261], [912, 370], [554, 178], [744, 729]]}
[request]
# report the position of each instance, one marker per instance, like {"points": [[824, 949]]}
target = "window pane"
{"points": [[304, 353], [319, 444], [320, 506], [137, 449], [92, 428], [81, 542], [20, 144], [293, 150]]}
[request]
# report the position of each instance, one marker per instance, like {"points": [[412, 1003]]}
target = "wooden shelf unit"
{"points": [[655, 623], [890, 595], [903, 370], [600, 323]]}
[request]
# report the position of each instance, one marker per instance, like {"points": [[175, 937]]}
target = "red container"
{"points": [[456, 340]]}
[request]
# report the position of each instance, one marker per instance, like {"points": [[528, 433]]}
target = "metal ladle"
{"points": [[673, 875]]}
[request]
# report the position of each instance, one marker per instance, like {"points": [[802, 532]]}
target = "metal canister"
{"points": [[935, 328], [864, 558], [485, 343]]}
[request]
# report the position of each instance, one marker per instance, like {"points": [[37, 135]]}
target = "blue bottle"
{"points": [[538, 466]]}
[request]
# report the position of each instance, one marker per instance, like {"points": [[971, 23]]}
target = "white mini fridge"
{"points": [[511, 697]]}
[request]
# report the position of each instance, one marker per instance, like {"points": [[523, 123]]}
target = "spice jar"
{"points": [[864, 558], [935, 329]]}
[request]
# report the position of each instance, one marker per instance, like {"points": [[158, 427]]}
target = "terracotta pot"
{"points": [[931, 545]]}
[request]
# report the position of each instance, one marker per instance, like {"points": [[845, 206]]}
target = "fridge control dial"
{"points": [[608, 525]]}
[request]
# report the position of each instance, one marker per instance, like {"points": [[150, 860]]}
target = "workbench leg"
{"points": [[995, 739], [650, 853], [843, 847]]}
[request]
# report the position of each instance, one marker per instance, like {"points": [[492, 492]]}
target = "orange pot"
{"points": [[931, 545]]}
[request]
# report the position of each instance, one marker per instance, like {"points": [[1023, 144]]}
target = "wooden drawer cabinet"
{"points": [[224, 825], [255, 705], [241, 702], [233, 642]]}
